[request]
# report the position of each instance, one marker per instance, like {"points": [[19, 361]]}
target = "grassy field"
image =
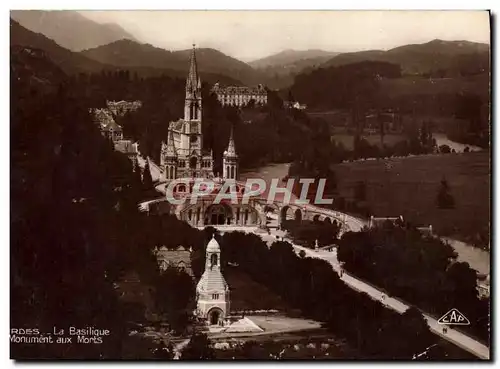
{"points": [[425, 86], [373, 139], [409, 187]]}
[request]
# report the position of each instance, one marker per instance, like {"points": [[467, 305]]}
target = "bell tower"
{"points": [[230, 160], [212, 291], [169, 157], [193, 106]]}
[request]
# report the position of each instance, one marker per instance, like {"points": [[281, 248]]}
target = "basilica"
{"points": [[184, 160], [183, 155]]}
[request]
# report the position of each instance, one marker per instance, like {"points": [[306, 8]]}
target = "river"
{"points": [[478, 259], [267, 172]]}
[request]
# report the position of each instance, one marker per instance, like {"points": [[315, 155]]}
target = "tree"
{"points": [[174, 292], [147, 180], [444, 149], [68, 233], [164, 351], [198, 348], [416, 330], [462, 284], [426, 137], [444, 199], [137, 178]]}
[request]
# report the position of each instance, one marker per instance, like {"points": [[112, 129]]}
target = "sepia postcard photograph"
{"points": [[235, 185]]}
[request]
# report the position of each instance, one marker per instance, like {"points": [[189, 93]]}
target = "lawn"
{"points": [[347, 140], [409, 186], [395, 87]]}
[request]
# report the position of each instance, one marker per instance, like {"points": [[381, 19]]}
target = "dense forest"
{"points": [[419, 269], [314, 288], [75, 227], [262, 134], [369, 85]]}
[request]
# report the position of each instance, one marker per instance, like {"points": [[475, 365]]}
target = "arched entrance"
{"points": [[286, 213], [298, 215], [316, 218], [328, 221], [218, 214], [193, 161], [214, 316]]}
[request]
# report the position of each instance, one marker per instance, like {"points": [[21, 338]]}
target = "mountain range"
{"points": [[70, 62], [32, 68], [127, 53], [69, 40], [281, 68], [76, 62], [419, 58], [70, 29], [292, 57]]}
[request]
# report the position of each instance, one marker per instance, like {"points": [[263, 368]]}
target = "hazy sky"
{"points": [[250, 35]]}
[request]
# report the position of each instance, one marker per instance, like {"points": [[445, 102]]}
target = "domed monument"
{"points": [[212, 291]]}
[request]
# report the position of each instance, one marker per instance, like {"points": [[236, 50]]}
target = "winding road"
{"points": [[460, 339]]}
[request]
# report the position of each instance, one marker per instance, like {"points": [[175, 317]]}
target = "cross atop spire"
{"points": [[193, 80]]}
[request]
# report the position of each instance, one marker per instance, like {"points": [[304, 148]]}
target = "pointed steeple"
{"points": [[193, 79], [169, 148], [231, 151]]}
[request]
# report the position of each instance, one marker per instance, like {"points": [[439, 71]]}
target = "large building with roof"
{"points": [[120, 108], [179, 258], [240, 96], [114, 132]]}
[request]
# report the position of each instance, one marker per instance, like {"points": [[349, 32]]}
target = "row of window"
{"points": [[204, 163], [194, 111], [243, 97], [245, 219], [114, 135], [245, 215], [230, 172], [171, 172], [190, 214]]}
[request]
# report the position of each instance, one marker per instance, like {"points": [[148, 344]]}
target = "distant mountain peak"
{"points": [[70, 29], [127, 53]]}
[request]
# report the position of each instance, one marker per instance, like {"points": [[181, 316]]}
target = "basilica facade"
{"points": [[183, 155], [184, 160]]}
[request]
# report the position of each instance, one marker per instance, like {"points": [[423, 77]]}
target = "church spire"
{"points": [[231, 151], [169, 148], [193, 81]]}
